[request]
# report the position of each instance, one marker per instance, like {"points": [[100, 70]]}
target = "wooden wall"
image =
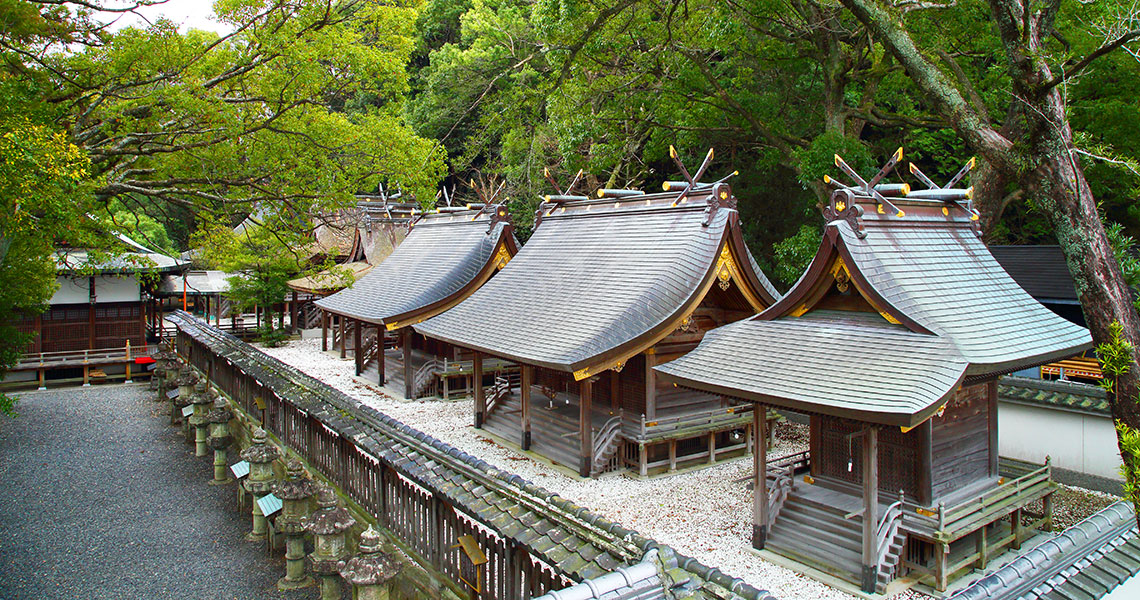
{"points": [[66, 328], [899, 454], [960, 439]]}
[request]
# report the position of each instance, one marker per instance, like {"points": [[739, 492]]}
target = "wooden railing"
{"points": [[424, 377], [605, 442], [783, 482], [887, 529], [704, 420], [496, 393]]}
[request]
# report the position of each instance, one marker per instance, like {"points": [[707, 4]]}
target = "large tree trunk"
{"points": [[1039, 156]]}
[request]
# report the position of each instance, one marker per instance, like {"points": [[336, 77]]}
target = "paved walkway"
{"points": [[103, 499]]}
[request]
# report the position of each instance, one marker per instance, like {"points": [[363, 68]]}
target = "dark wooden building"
{"points": [[99, 305], [892, 342], [444, 258], [605, 289]]}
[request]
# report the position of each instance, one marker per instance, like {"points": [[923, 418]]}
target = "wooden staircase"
{"points": [[551, 435], [818, 535]]}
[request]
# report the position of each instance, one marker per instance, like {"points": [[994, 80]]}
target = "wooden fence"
{"points": [[423, 520]]}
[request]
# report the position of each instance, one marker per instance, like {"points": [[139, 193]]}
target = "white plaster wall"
{"points": [[109, 288], [1074, 441], [72, 290]]}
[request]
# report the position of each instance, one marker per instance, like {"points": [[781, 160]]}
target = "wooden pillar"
{"points": [[712, 447], [615, 392], [992, 416], [524, 389], [325, 331], [293, 314], [90, 320], [586, 425], [941, 568], [759, 479], [480, 397], [870, 507], [1015, 528], [356, 339], [382, 376], [982, 547], [672, 455], [650, 387], [409, 374], [343, 346], [218, 311]]}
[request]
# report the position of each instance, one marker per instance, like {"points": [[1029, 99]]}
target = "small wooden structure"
{"points": [[445, 257], [606, 288], [892, 342]]}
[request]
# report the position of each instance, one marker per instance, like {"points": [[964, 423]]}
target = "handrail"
{"points": [[725, 414], [500, 390], [426, 371], [783, 483], [606, 436], [888, 528], [944, 519]]}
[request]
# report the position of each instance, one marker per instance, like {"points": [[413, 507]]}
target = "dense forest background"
{"points": [[177, 134]]}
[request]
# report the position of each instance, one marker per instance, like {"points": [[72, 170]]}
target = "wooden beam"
{"points": [[527, 381], [480, 396], [870, 507], [759, 480], [585, 424], [409, 374]]}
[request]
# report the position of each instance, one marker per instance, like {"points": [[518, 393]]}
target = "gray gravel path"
{"points": [[103, 499]]}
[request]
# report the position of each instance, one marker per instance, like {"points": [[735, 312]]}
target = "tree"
{"points": [[1035, 149], [292, 113]]}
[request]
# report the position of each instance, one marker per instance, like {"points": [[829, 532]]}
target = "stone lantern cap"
{"points": [[221, 412], [298, 484], [187, 376], [330, 518], [261, 451], [200, 396], [372, 566]]}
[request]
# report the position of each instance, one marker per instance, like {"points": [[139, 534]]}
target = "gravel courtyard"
{"points": [[705, 514], [103, 499]]}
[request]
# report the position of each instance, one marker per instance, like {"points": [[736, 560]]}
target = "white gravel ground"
{"points": [[704, 513]]}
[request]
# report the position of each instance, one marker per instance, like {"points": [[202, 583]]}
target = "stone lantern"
{"points": [[220, 438], [370, 571], [260, 456], [199, 422], [328, 525], [156, 382], [293, 491], [185, 381]]}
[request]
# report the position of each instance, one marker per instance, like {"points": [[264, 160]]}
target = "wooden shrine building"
{"points": [[892, 342], [606, 288], [444, 258]]}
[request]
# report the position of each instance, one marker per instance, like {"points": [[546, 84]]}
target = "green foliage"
{"points": [[1124, 248], [794, 254], [818, 158], [1129, 440], [1116, 358]]}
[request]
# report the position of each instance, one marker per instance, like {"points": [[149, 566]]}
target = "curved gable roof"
{"points": [[441, 257], [599, 280], [948, 311]]}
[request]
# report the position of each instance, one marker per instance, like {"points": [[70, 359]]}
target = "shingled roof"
{"points": [[958, 316], [444, 257], [601, 280], [1039, 270]]}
